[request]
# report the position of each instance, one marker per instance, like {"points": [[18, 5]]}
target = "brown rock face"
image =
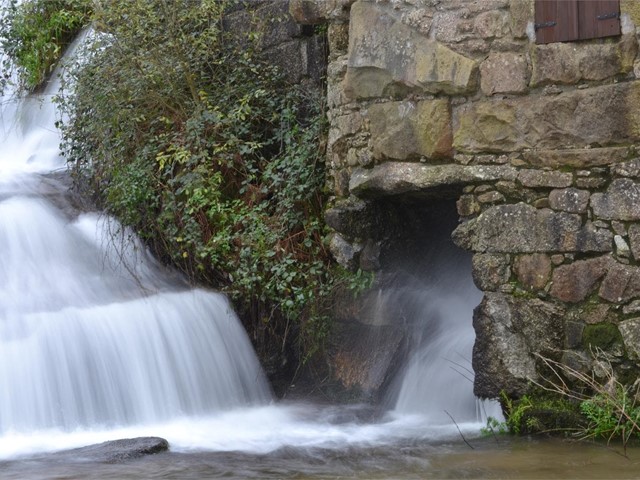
{"points": [[407, 130], [574, 282], [533, 271], [503, 72], [602, 116]]}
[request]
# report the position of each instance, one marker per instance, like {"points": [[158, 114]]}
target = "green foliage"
{"points": [[34, 34], [494, 427], [603, 336], [184, 133], [613, 414]]}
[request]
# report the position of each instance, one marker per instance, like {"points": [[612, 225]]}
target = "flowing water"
{"points": [[99, 342]]}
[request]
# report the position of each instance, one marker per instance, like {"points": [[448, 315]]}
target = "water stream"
{"points": [[99, 342]]}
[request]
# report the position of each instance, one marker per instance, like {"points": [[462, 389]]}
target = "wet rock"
{"points": [[570, 200], [574, 282], [346, 253], [521, 228], [533, 271], [621, 201], [389, 57], [508, 332], [117, 451], [407, 130]]}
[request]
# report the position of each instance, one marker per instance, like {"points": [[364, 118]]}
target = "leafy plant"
{"points": [[35, 33], [185, 133]]}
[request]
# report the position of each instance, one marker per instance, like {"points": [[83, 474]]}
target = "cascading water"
{"points": [[84, 340], [98, 341]]}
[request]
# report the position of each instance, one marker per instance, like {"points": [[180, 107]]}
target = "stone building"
{"points": [[535, 143]]}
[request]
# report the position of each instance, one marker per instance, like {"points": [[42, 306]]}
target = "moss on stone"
{"points": [[601, 335]]}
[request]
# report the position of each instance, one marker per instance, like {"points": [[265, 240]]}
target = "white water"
{"points": [[90, 353]]}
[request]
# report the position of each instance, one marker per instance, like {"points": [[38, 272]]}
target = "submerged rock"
{"points": [[116, 451]]}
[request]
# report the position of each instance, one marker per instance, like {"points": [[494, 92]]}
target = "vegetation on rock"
{"points": [[182, 130], [34, 35]]}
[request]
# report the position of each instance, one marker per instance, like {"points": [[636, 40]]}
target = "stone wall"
{"points": [[432, 99]]}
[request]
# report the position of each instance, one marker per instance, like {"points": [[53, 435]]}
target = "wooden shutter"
{"points": [[598, 18], [556, 20], [566, 20]]}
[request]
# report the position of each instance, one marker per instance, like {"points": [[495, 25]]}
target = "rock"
{"points": [[533, 271], [630, 330], [574, 119], [491, 24], [407, 130], [351, 216], [509, 331], [387, 57], [539, 178], [575, 281], [521, 228], [503, 72], [570, 200], [346, 253], [577, 157], [117, 451], [633, 307], [622, 247], [521, 14], [308, 12], [394, 178], [630, 168], [564, 63], [490, 271], [491, 197], [634, 240], [621, 284], [467, 205], [621, 201]]}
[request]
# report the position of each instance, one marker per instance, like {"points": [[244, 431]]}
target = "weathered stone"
{"points": [[521, 14], [631, 8], [574, 332], [621, 284], [574, 282], [557, 259], [633, 307], [387, 57], [630, 330], [308, 12], [591, 183], [521, 228], [596, 314], [533, 271], [573, 119], [490, 271], [630, 168], [567, 63], [622, 247], [579, 157], [509, 331], [345, 253], [539, 178], [407, 130], [634, 240], [570, 200], [621, 201], [491, 197], [351, 216], [394, 178], [503, 73], [491, 24], [467, 205]]}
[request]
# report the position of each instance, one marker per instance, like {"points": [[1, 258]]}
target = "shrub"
{"points": [[186, 134]]}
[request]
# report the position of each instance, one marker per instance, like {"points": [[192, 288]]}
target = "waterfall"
{"points": [[93, 332], [438, 300]]}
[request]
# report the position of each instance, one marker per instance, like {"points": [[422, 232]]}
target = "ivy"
{"points": [[183, 132]]}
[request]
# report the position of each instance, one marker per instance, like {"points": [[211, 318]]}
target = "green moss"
{"points": [[603, 336], [542, 413]]}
